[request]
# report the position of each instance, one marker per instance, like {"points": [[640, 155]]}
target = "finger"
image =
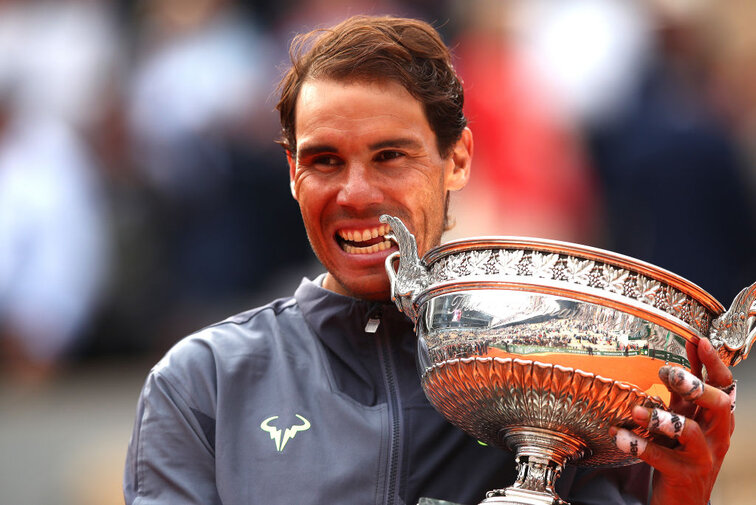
{"points": [[669, 424], [693, 389], [664, 459], [686, 431], [696, 366], [681, 382], [683, 407], [628, 442], [661, 458], [676, 402], [718, 373]]}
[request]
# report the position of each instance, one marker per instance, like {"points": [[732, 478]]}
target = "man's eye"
{"points": [[388, 155], [326, 161]]}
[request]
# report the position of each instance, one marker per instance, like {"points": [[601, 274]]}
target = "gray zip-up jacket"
{"points": [[295, 403]]}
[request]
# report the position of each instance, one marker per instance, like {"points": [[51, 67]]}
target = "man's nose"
{"points": [[360, 187]]}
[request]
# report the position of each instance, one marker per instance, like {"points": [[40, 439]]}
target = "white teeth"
{"points": [[359, 236], [381, 246]]}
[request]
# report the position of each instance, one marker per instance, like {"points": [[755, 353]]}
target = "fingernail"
{"points": [[664, 373], [629, 443], [705, 344], [641, 414]]}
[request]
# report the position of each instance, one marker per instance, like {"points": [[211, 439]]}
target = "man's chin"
{"points": [[374, 287]]}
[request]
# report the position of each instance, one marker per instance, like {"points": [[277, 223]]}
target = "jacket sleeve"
{"points": [[171, 458]]}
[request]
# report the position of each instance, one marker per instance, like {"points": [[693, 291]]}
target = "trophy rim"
{"points": [[578, 251]]}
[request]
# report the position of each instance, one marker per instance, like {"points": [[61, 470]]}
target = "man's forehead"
{"points": [[375, 112], [312, 89]]}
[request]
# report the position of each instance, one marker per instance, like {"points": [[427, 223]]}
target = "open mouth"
{"points": [[366, 241]]}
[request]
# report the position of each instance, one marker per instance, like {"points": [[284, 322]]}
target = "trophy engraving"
{"points": [[539, 346], [733, 332]]}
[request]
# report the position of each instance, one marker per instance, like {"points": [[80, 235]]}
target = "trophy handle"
{"points": [[732, 334], [411, 276]]}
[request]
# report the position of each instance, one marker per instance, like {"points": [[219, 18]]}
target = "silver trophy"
{"points": [[539, 346]]}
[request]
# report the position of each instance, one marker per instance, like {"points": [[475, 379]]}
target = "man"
{"points": [[315, 398]]}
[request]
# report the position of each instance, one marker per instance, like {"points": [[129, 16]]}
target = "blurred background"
{"points": [[142, 195]]}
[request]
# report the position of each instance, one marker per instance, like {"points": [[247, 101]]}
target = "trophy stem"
{"points": [[541, 455]]}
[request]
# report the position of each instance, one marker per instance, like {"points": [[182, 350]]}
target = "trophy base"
{"points": [[521, 497], [541, 455]]}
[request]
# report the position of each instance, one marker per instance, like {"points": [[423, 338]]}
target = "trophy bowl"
{"points": [[539, 346]]}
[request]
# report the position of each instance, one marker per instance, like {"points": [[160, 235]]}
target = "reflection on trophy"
{"points": [[539, 346]]}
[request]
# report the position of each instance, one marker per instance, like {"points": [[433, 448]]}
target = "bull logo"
{"points": [[288, 434]]}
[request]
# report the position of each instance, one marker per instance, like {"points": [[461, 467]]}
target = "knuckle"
{"points": [[650, 455], [728, 377], [693, 430], [722, 401]]}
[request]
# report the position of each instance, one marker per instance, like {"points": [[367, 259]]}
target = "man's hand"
{"points": [[701, 421]]}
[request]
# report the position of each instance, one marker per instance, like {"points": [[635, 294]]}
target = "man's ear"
{"points": [[292, 170], [461, 158]]}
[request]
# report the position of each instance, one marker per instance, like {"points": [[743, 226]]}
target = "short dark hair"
{"points": [[372, 48]]}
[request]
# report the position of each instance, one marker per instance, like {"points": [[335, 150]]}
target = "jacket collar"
{"points": [[339, 322], [323, 309]]}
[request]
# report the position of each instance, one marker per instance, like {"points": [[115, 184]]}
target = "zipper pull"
{"points": [[374, 319], [372, 325]]}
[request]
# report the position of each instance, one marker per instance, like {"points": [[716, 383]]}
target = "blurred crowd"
{"points": [[142, 194]]}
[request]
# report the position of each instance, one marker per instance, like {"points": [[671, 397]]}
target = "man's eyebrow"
{"points": [[307, 151], [395, 142], [401, 142]]}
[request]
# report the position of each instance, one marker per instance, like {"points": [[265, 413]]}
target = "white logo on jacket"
{"points": [[288, 434]]}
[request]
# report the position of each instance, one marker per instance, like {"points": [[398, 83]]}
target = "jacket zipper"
{"points": [[394, 411]]}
